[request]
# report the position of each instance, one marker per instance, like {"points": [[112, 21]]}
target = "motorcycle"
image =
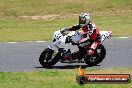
{"points": [[54, 53]]}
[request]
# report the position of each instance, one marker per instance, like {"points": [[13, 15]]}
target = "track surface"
{"points": [[24, 56]]}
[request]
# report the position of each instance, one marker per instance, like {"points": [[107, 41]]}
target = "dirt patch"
{"points": [[74, 16], [53, 16]]}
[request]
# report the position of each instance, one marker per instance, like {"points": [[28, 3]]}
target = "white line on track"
{"points": [[24, 41], [12, 42], [40, 41], [46, 41], [123, 37]]}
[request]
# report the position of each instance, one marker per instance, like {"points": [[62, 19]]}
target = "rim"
{"points": [[49, 57]]}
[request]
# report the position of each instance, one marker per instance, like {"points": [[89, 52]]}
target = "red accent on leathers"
{"points": [[84, 29], [93, 37], [93, 46]]}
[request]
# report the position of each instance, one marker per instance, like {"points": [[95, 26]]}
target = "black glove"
{"points": [[98, 38], [62, 31]]}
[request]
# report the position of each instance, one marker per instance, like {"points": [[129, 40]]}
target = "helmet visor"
{"points": [[82, 20]]}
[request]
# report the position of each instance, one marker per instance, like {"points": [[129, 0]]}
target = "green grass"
{"points": [[57, 79], [112, 15], [42, 7], [26, 30], [31, 30]]}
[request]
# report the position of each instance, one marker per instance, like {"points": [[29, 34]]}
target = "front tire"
{"points": [[47, 58], [97, 57]]}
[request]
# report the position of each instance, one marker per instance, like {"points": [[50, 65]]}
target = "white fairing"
{"points": [[59, 39], [75, 36], [105, 35]]}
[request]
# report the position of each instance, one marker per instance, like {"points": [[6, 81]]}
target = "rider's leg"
{"points": [[92, 48]]}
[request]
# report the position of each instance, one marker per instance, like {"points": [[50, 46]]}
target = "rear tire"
{"points": [[98, 56], [46, 58]]}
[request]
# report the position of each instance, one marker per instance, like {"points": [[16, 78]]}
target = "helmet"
{"points": [[84, 19]]}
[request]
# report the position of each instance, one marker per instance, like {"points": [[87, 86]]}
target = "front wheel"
{"points": [[48, 58], [97, 57]]}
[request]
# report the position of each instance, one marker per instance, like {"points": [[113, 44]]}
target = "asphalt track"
{"points": [[24, 56]]}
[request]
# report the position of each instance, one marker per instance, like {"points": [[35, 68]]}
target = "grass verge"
{"points": [[18, 29], [113, 15], [57, 79], [42, 7]]}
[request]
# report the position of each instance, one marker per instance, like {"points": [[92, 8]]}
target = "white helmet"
{"points": [[84, 19]]}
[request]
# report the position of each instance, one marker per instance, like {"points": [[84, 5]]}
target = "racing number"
{"points": [[57, 36]]}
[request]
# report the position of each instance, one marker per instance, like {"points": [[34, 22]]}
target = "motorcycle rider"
{"points": [[89, 32]]}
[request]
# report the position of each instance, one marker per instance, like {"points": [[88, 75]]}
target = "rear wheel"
{"points": [[97, 57], [48, 58]]}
